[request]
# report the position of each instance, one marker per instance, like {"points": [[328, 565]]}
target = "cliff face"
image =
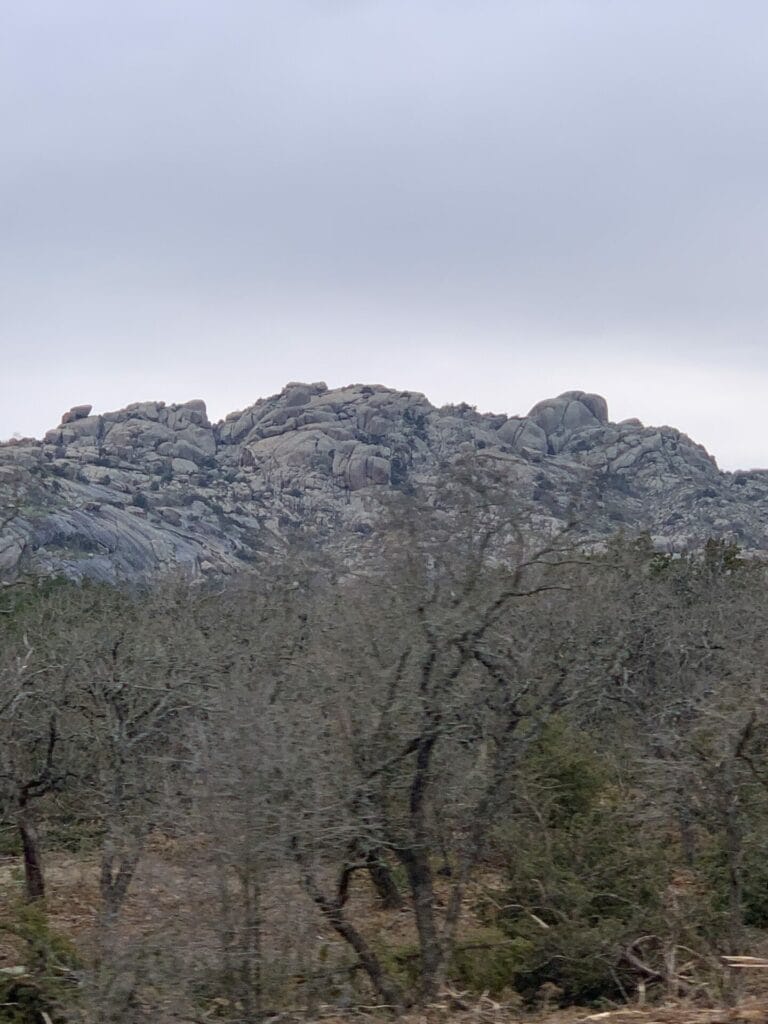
{"points": [[154, 486]]}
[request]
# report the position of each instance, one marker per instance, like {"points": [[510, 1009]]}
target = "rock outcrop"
{"points": [[153, 486]]}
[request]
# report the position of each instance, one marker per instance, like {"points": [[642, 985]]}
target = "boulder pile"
{"points": [[154, 487]]}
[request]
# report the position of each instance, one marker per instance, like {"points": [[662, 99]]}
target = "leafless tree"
{"points": [[37, 719], [430, 676]]}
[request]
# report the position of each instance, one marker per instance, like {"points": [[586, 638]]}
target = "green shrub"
{"points": [[48, 982], [10, 841], [583, 881], [489, 961], [24, 1001]]}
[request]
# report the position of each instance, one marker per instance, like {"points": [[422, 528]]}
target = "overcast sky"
{"points": [[489, 201]]}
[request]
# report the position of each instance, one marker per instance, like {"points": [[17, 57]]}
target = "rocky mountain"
{"points": [[154, 486]]}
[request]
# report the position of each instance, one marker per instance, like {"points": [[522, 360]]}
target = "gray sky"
{"points": [[490, 201]]}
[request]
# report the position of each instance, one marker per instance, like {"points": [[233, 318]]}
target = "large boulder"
{"points": [[570, 412], [77, 412], [520, 432]]}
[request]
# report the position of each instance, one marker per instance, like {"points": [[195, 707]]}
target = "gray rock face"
{"points": [[77, 412], [562, 417], [522, 432], [154, 487]]}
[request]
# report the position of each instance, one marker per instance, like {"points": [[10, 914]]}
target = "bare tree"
{"points": [[37, 718], [236, 751], [430, 676], [138, 684], [685, 667]]}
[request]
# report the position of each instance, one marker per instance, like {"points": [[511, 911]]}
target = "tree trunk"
{"points": [[687, 838], [415, 860], [383, 882], [734, 860], [225, 920], [334, 915], [250, 968], [113, 885], [419, 874], [34, 879]]}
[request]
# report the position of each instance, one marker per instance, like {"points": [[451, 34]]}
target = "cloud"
{"points": [[381, 188]]}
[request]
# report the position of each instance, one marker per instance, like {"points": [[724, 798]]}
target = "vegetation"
{"points": [[484, 765]]}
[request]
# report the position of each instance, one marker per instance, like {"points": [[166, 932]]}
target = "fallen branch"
{"points": [[744, 961]]}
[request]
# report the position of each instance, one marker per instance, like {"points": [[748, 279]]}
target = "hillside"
{"points": [[473, 771], [155, 486]]}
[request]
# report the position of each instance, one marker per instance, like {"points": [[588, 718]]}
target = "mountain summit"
{"points": [[154, 487]]}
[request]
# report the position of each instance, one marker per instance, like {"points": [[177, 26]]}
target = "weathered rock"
{"points": [[151, 487], [182, 449], [200, 437], [86, 427], [77, 412], [567, 414], [522, 432], [171, 515], [194, 412]]}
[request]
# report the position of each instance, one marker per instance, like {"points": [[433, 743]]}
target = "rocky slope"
{"points": [[154, 486]]}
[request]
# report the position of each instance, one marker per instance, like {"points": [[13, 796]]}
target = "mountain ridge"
{"points": [[153, 487]]}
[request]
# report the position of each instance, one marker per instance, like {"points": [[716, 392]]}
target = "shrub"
{"points": [[583, 883], [489, 961], [47, 984]]}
